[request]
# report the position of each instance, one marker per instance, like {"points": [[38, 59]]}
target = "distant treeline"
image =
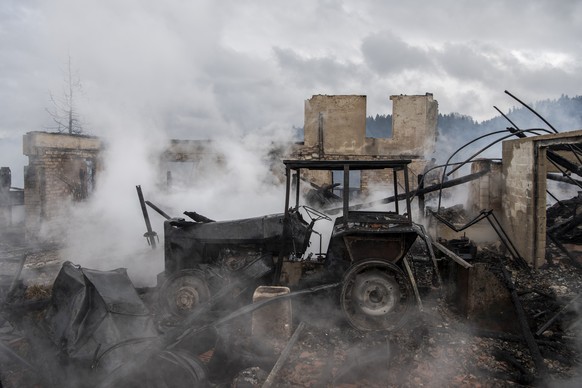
{"points": [[379, 126], [564, 113]]}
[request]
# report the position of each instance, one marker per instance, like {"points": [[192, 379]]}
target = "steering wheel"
{"points": [[315, 215]]}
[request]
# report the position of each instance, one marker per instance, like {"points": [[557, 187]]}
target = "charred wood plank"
{"points": [[523, 323], [565, 179], [425, 190], [550, 321], [191, 325], [523, 376], [283, 357], [413, 282], [421, 231], [439, 186], [573, 260], [198, 217], [452, 255], [496, 225], [566, 226], [158, 210], [510, 337]]}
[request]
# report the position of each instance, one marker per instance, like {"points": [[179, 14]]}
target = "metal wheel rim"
{"points": [[183, 292], [376, 296]]}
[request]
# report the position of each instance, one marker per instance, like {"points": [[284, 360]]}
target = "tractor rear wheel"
{"points": [[376, 295]]}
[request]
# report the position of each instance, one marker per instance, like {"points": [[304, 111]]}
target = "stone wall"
{"points": [[335, 124], [62, 169], [485, 192], [183, 162], [414, 123], [518, 191], [335, 129]]}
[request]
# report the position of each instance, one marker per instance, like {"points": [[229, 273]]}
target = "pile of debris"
{"points": [[469, 317], [438, 346], [564, 220], [455, 215]]}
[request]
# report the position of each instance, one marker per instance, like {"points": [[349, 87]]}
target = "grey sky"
{"points": [[199, 69]]}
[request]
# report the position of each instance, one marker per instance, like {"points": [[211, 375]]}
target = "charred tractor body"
{"points": [[366, 253]]}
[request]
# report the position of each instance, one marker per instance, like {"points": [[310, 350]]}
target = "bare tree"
{"points": [[64, 111]]}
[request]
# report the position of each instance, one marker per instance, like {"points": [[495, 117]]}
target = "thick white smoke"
{"points": [[107, 231]]}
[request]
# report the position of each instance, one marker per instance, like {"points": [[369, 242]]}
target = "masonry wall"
{"points": [[335, 129], [414, 123], [183, 162], [62, 169], [518, 195], [335, 124], [485, 192]]}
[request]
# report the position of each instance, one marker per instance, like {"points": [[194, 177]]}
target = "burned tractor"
{"points": [[366, 254], [109, 334], [203, 256]]}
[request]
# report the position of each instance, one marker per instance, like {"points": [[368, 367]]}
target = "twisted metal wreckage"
{"points": [[106, 336]]}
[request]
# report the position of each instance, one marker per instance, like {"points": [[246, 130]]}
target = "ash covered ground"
{"points": [[437, 347]]}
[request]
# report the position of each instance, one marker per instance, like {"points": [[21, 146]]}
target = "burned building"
{"points": [[62, 169], [183, 160], [200, 324], [527, 165], [10, 197]]}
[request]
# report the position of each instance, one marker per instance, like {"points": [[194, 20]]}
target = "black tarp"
{"points": [[97, 319]]}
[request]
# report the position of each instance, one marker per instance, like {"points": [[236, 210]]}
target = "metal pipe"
{"points": [[420, 186], [283, 357], [150, 235], [531, 110], [456, 152], [407, 193], [469, 143], [297, 180], [490, 145], [544, 120], [288, 182], [564, 178], [426, 190], [522, 319], [346, 194], [158, 210], [505, 116], [395, 181]]}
